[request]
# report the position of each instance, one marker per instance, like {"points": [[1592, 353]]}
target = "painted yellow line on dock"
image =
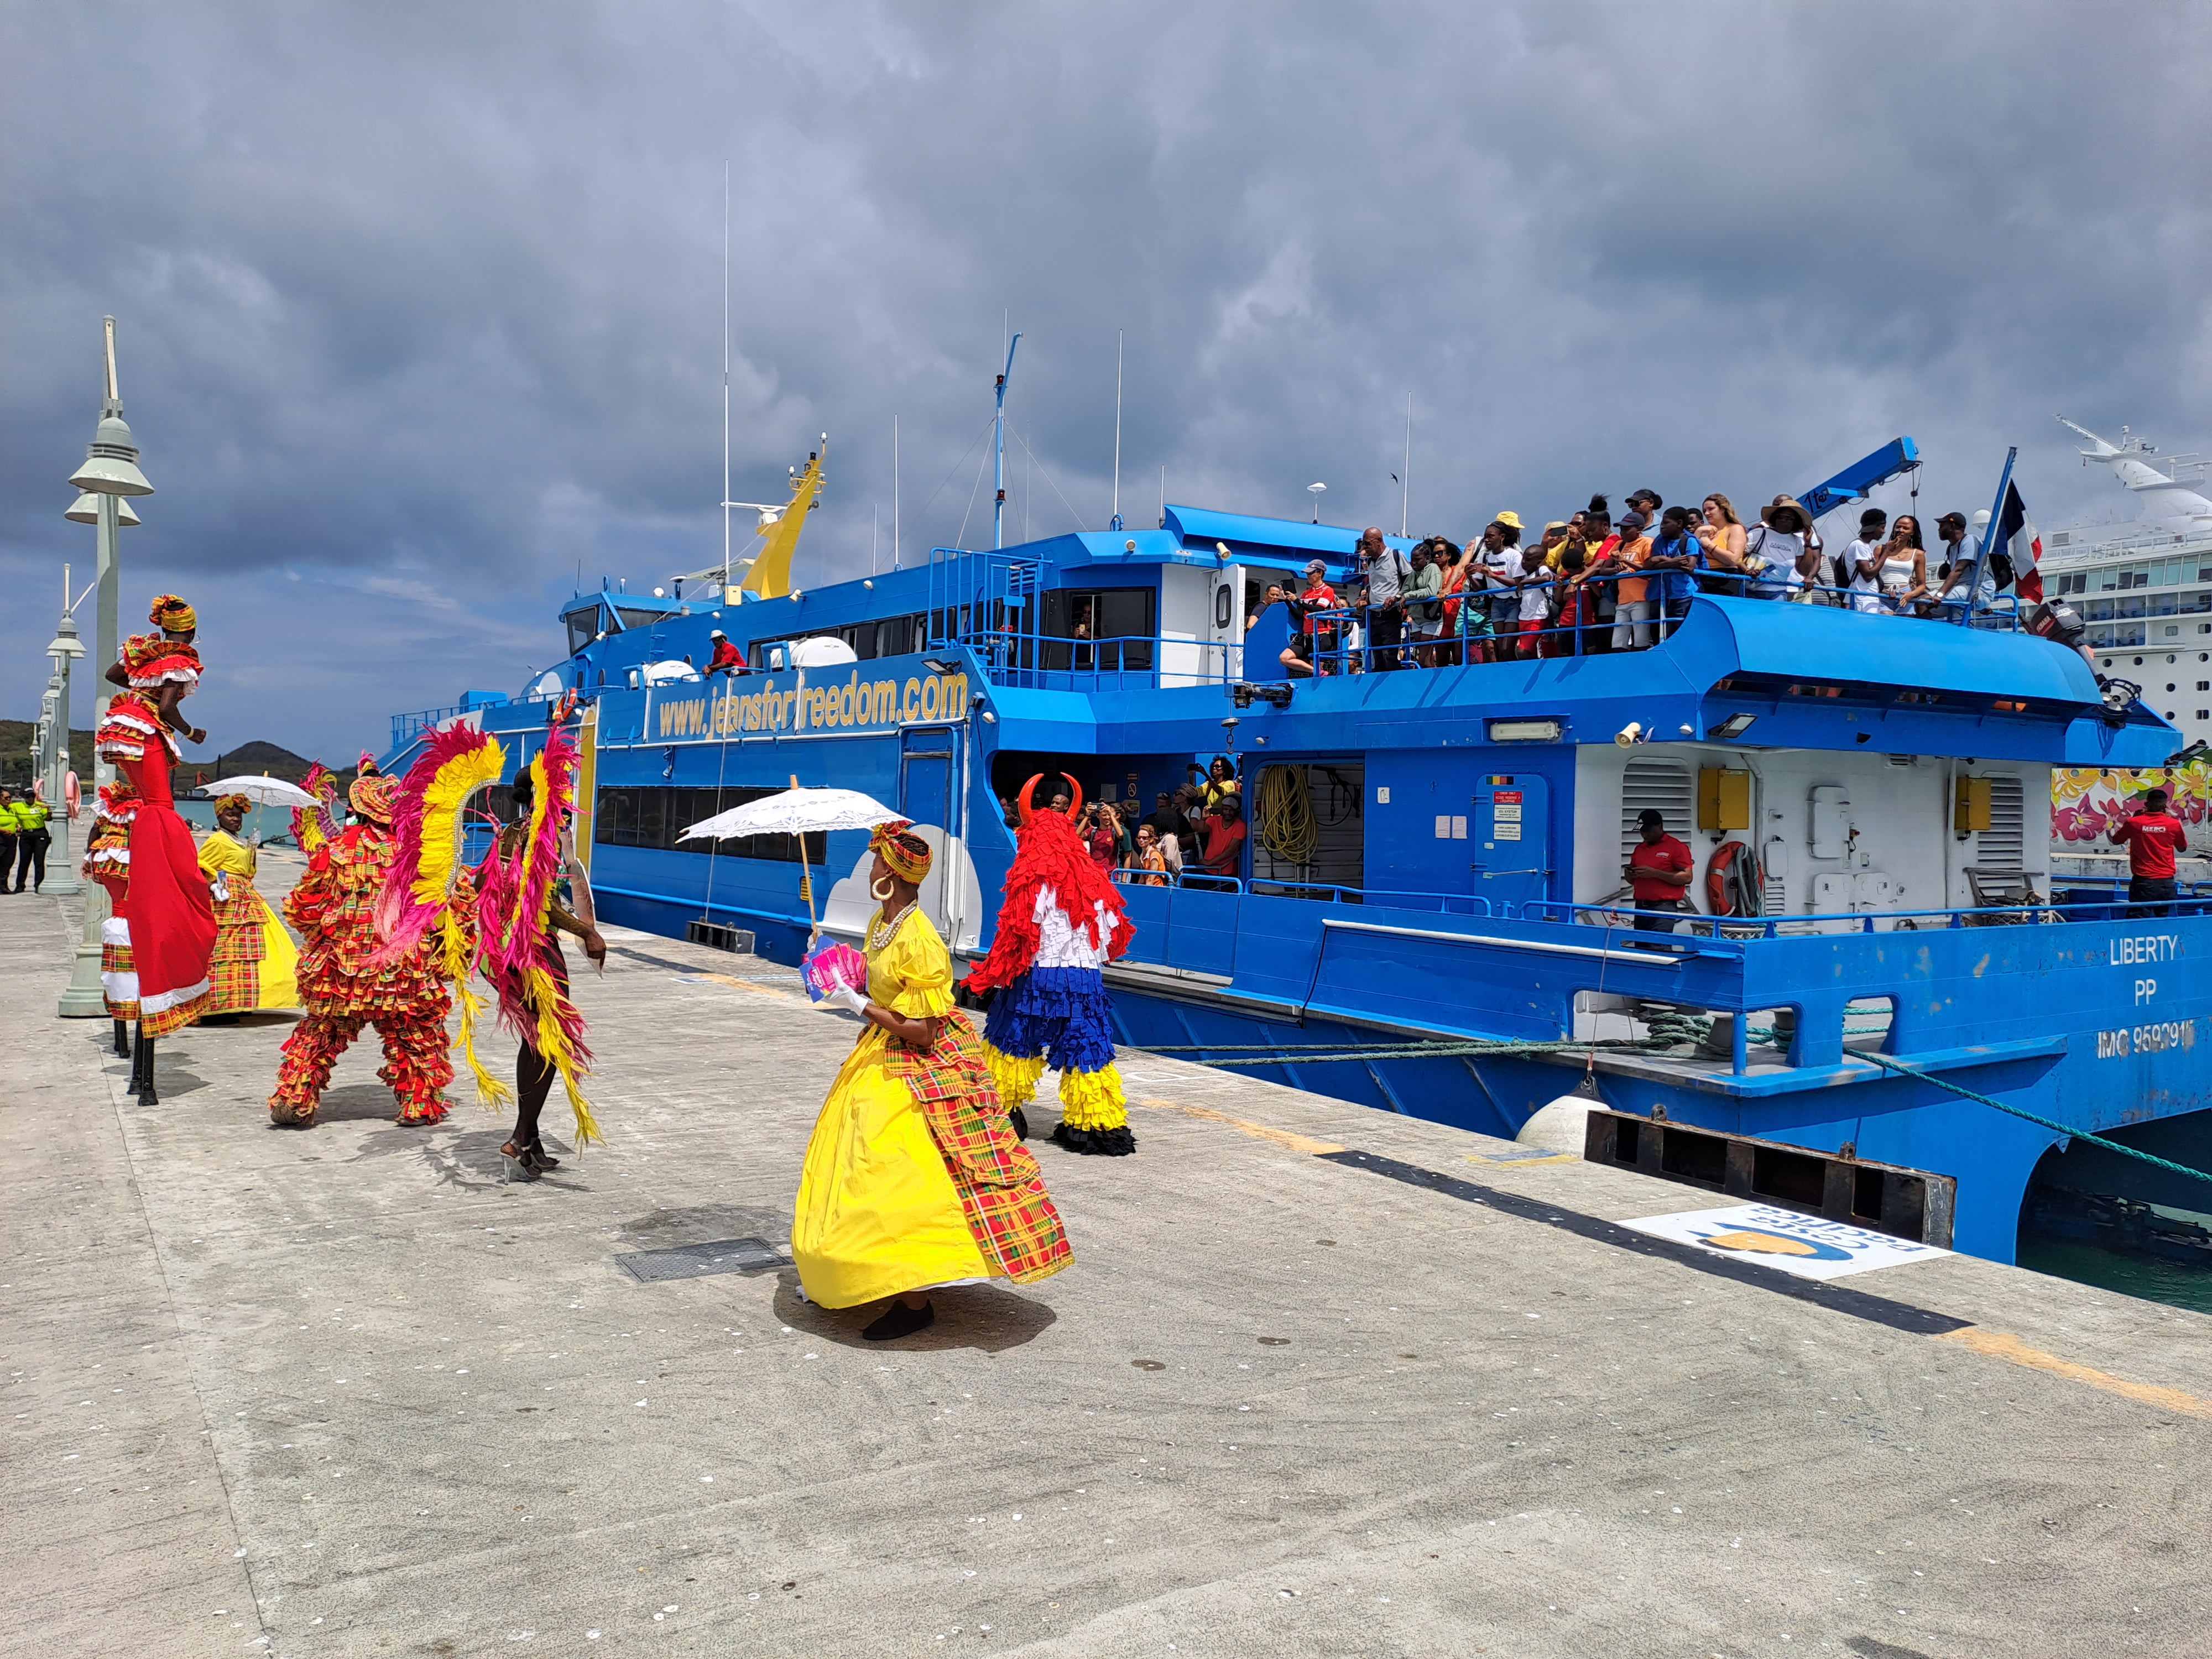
{"points": [[1297, 1143], [2003, 1344], [742, 984]]}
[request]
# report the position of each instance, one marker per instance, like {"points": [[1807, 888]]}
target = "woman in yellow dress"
{"points": [[255, 960], [913, 1179]]}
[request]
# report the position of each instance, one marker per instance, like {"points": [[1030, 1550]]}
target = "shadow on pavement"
{"points": [[985, 1318]]}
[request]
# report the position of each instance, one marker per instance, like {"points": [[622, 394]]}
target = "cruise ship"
{"points": [[2144, 586]]}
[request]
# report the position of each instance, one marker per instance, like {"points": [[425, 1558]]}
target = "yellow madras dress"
{"points": [[255, 964], [913, 1177]]}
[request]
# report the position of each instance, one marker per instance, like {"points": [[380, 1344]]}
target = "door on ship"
{"points": [[929, 793], [1510, 842]]}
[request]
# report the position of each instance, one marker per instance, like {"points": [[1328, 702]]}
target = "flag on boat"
{"points": [[2018, 539]]}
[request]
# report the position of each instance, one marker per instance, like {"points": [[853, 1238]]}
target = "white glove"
{"points": [[847, 997]]}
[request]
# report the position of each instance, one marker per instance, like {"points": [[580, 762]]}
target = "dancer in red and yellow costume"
{"points": [[346, 985], [255, 964], [169, 923], [107, 861], [913, 1178]]}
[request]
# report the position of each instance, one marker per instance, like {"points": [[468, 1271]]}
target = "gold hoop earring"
{"points": [[881, 891]]}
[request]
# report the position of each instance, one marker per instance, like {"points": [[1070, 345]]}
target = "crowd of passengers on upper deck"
{"points": [[1593, 583]]}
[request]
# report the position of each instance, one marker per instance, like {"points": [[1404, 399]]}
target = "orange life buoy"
{"points": [[70, 794], [1718, 899]]}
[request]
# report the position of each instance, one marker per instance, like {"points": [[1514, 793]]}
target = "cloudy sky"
{"points": [[421, 306]]}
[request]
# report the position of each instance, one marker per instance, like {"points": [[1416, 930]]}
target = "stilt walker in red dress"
{"points": [[169, 925], [345, 985]]}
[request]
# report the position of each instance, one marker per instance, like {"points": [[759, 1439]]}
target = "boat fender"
{"points": [[1559, 1126]]}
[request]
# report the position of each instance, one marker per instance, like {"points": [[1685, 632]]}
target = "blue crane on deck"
{"points": [[1862, 476]]}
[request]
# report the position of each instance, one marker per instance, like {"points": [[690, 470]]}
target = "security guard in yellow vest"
{"points": [[29, 815]]}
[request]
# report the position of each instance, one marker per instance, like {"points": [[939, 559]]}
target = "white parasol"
{"points": [[796, 812], [261, 790]]}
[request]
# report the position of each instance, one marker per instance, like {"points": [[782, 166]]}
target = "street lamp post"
{"points": [[61, 875], [110, 472]]}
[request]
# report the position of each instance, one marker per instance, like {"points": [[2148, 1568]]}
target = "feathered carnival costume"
{"points": [[348, 981], [315, 826], [1061, 922], [502, 919], [156, 947]]}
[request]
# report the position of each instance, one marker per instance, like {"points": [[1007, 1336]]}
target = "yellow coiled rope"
{"points": [[1287, 826]]}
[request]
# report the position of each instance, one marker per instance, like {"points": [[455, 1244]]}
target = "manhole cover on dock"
{"points": [[718, 1256]]}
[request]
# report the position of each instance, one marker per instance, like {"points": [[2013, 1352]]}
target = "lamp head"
{"points": [[111, 464], [87, 510]]}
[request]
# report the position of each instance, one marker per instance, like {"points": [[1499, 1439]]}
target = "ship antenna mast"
{"points": [[998, 476], [726, 382], [1406, 479], [1117, 429]]}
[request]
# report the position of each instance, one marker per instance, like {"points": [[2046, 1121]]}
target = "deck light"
{"points": [[86, 511], [1527, 731], [939, 666], [1734, 727]]}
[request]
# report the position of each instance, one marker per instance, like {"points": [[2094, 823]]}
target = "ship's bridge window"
{"points": [[583, 626]]}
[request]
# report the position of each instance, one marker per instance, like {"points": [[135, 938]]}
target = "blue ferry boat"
{"points": [[1435, 855]]}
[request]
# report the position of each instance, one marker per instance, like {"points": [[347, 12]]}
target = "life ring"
{"points": [[71, 795], [1730, 886], [1026, 801]]}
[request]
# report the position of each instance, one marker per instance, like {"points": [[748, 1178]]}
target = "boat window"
{"points": [[632, 617], [1121, 616], [652, 817], [894, 638], [583, 626]]}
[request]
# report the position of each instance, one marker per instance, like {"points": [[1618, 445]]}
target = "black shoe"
{"points": [[1094, 1143], [901, 1321], [1021, 1123], [535, 1157]]}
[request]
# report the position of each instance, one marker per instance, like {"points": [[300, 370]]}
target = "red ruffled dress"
{"points": [[169, 925]]}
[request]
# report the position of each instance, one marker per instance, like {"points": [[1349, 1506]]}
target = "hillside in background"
{"points": [[199, 765]]}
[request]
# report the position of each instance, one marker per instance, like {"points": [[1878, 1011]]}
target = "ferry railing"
{"points": [[1119, 662], [1339, 639], [1728, 933], [405, 727]]}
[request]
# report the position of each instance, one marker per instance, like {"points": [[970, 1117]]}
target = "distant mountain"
{"points": [[200, 766]]}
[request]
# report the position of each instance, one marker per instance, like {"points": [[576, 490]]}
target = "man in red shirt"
{"points": [[726, 658], [2151, 837], [1658, 871]]}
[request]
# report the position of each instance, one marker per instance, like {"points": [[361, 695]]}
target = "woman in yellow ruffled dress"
{"points": [[255, 964], [913, 1179]]}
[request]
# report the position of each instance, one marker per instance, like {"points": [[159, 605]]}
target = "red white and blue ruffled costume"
{"points": [[1061, 922]]}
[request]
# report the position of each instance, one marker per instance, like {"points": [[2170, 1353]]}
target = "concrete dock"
{"points": [[1321, 1382]]}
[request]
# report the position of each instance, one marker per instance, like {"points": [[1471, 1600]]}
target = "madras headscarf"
{"points": [[225, 802], [372, 798], [907, 855], [173, 616]]}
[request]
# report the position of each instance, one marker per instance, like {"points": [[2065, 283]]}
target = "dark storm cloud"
{"points": [[421, 309]]}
